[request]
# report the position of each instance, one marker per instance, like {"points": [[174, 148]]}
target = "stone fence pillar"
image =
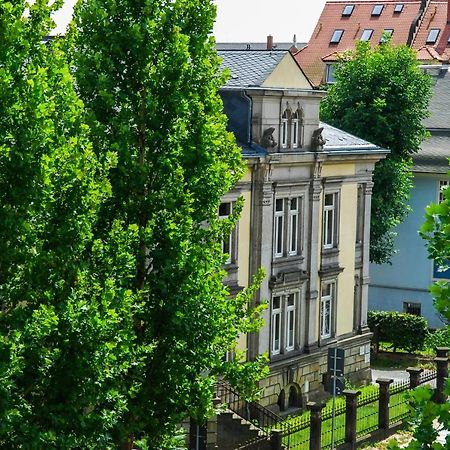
{"points": [[315, 425], [383, 410], [351, 407], [414, 376], [276, 440]]}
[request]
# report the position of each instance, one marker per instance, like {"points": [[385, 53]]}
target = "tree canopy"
{"points": [[149, 76], [382, 95], [114, 320]]}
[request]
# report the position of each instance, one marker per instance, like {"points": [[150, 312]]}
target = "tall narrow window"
{"points": [[276, 325], [295, 129], [279, 227], [293, 226], [326, 309], [290, 321], [284, 129], [329, 221], [224, 211]]}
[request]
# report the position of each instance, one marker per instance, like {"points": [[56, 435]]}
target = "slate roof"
{"points": [[439, 107], [250, 68], [434, 154], [340, 141], [311, 57]]}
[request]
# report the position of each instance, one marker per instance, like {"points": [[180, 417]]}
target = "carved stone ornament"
{"points": [[268, 140], [318, 141]]}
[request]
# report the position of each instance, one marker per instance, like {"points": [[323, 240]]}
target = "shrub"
{"points": [[404, 331], [438, 338]]}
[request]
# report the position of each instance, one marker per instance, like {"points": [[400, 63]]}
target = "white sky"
{"points": [[251, 20]]}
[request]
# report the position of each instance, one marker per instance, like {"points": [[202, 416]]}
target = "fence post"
{"points": [[315, 425], [441, 374], [351, 407], [383, 408], [276, 440], [414, 376]]}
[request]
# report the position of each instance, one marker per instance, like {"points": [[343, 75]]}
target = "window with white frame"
{"points": [[284, 322], [329, 74], [287, 227], [276, 325], [225, 209], [330, 220], [327, 301], [443, 184], [285, 129]]}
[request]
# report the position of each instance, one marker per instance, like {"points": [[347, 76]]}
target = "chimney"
{"points": [[270, 41]]}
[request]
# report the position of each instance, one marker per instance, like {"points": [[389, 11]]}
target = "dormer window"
{"points": [[347, 11], [387, 33], [398, 8], [337, 35], [433, 35], [377, 10], [366, 35]]}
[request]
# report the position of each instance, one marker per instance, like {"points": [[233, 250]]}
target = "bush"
{"points": [[438, 338], [404, 331]]}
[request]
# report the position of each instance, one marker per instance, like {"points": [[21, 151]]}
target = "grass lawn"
{"points": [[367, 419]]}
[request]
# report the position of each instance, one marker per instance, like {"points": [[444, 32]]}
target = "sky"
{"points": [[251, 20]]}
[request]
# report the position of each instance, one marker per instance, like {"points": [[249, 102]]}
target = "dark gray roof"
{"points": [[440, 102], [256, 45], [338, 140], [434, 154], [250, 67]]}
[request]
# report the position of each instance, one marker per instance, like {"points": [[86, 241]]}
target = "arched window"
{"points": [[294, 398], [285, 128], [297, 129]]}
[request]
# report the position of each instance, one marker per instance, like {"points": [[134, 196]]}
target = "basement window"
{"points": [[348, 9], [398, 8], [377, 10], [337, 35], [412, 308], [366, 35], [433, 35]]}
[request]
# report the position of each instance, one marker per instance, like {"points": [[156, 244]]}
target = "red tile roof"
{"points": [[311, 58], [435, 17]]}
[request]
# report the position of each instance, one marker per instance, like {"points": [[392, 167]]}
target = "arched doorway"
{"points": [[294, 398]]}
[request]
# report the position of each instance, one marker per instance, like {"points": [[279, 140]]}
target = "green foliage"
{"points": [[438, 338], [436, 231], [66, 321], [404, 331], [381, 95], [149, 74]]}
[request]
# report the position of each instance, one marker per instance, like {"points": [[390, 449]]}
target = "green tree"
{"points": [[381, 95], [149, 75], [66, 318]]}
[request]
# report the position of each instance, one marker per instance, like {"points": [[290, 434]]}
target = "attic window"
{"points": [[348, 9], [337, 35], [387, 33], [433, 35], [377, 10], [366, 35], [398, 8]]}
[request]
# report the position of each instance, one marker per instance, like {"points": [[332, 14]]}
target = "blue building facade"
{"points": [[403, 286]]}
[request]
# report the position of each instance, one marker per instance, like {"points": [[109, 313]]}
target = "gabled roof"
{"points": [[257, 45], [263, 68], [331, 19], [435, 17]]}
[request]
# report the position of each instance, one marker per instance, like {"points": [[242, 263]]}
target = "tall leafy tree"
{"points": [[66, 318], [381, 95], [149, 75]]}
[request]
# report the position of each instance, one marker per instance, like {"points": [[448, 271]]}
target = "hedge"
{"points": [[404, 331]]}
